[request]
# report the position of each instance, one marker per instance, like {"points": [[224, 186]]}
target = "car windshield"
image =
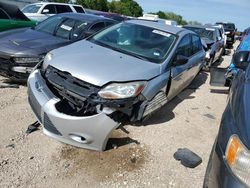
{"points": [[136, 40], [205, 33], [31, 8], [65, 28]]}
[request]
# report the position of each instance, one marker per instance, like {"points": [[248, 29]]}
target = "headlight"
{"points": [[27, 59], [46, 60], [238, 158], [122, 90]]}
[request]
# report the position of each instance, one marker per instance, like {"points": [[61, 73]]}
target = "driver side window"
{"points": [[184, 48]]}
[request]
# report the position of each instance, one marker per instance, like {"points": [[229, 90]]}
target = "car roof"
{"points": [[87, 17], [201, 26], [158, 25], [47, 3]]}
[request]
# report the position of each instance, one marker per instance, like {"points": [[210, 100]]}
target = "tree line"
{"points": [[127, 8]]}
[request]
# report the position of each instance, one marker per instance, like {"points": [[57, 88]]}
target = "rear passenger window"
{"points": [[184, 47], [98, 26], [79, 9], [63, 8], [3, 14], [196, 44], [51, 9]]}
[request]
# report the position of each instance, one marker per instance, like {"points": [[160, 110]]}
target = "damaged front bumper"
{"points": [[90, 131], [15, 71]]}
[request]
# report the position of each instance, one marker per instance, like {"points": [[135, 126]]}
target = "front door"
{"points": [[180, 74]]}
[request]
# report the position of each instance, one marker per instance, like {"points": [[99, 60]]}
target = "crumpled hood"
{"points": [[99, 65], [28, 41]]}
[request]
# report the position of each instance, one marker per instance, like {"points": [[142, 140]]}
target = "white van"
{"points": [[43, 10], [153, 17]]}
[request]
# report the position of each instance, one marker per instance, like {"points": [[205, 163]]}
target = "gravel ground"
{"points": [[143, 158]]}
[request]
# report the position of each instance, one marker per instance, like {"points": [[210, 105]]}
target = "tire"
{"points": [[209, 64]]}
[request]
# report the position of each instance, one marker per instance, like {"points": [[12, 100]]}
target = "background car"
{"points": [[214, 42], [229, 162], [230, 30], [110, 15], [118, 76], [22, 49], [224, 76], [11, 17], [43, 10]]}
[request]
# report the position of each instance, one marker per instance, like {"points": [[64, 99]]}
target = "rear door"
{"points": [[197, 56], [180, 75]]}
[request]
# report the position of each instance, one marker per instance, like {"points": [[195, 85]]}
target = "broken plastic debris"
{"points": [[33, 127], [5, 85], [187, 157]]}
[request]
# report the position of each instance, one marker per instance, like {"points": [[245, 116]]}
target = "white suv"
{"points": [[41, 11]]}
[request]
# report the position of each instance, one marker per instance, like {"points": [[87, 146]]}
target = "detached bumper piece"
{"points": [[85, 130]]}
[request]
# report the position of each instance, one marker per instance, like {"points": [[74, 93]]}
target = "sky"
{"points": [[204, 11]]}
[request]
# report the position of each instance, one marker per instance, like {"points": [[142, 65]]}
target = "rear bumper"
{"points": [[90, 132], [218, 174]]}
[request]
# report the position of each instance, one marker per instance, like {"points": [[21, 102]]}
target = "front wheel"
{"points": [[208, 64]]}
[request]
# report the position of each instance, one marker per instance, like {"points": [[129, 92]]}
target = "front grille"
{"points": [[5, 64], [66, 84], [48, 125], [35, 105]]}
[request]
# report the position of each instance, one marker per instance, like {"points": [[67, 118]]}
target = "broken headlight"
{"points": [[27, 59], [46, 60], [122, 90]]}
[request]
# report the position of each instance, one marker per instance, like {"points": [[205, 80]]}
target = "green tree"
{"points": [[194, 23], [126, 7], [171, 16], [101, 5]]}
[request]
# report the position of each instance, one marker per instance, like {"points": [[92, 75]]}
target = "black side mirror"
{"points": [[180, 60], [240, 59]]}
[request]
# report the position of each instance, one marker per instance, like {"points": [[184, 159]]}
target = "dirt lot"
{"points": [[143, 158]]}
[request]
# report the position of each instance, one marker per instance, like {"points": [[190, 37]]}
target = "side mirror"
{"points": [[180, 60], [240, 59], [227, 32], [45, 11]]}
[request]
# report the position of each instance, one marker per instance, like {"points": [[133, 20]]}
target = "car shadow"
{"points": [[117, 139], [8, 83], [166, 113], [220, 91]]}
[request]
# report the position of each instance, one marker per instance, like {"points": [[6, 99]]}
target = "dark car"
{"points": [[229, 163], [11, 18], [22, 49], [213, 40], [230, 30]]}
